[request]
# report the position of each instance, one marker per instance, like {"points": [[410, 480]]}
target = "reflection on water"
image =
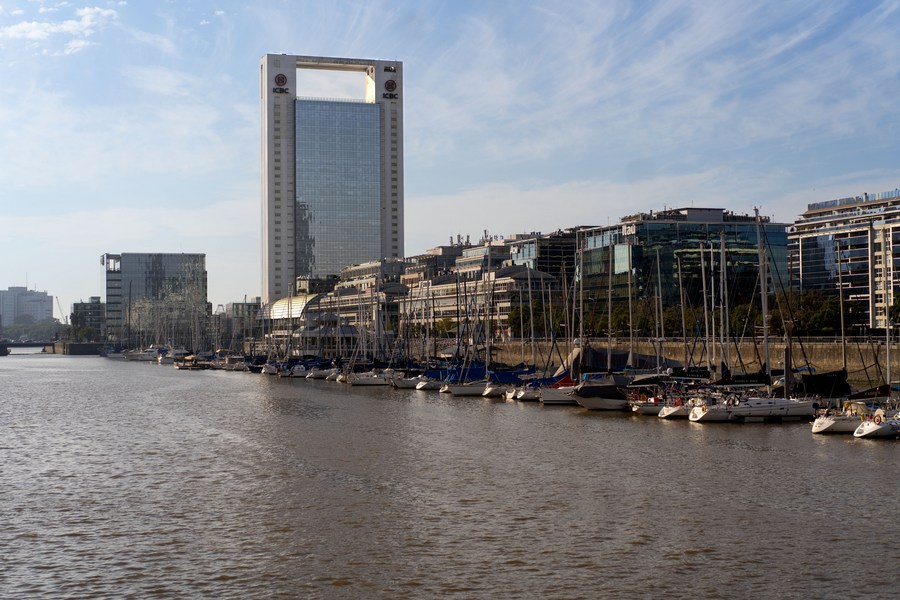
{"points": [[125, 479]]}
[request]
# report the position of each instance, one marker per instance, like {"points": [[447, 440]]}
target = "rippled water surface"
{"points": [[132, 480]]}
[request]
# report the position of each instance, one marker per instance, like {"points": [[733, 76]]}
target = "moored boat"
{"points": [[830, 420], [761, 408], [879, 426]]}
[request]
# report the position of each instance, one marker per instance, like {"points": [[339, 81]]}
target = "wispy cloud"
{"points": [[87, 23], [518, 116], [161, 42], [672, 75]]}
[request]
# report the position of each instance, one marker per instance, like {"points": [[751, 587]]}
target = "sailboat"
{"points": [[607, 392]]}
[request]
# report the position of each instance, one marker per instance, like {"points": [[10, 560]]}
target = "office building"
{"points": [[332, 171], [90, 315], [21, 305], [681, 257], [847, 246], [156, 299]]}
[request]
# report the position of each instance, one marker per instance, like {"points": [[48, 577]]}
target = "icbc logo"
{"points": [[281, 80], [390, 85]]}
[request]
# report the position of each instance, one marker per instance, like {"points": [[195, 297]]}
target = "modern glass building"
{"points": [[332, 172], [155, 299], [851, 246], [678, 257], [338, 197]]}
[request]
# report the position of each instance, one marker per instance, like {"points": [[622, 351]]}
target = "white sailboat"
{"points": [[835, 421]]}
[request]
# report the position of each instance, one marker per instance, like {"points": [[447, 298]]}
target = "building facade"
{"points": [[332, 171], [681, 258], [553, 253], [156, 299], [847, 246], [18, 304], [90, 315]]}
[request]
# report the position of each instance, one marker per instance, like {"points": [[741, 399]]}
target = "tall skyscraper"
{"points": [[332, 171]]}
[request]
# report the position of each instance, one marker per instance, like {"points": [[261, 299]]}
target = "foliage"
{"points": [[42, 331], [444, 327]]}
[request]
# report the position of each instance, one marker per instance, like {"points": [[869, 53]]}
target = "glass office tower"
{"points": [[338, 186], [332, 171]]}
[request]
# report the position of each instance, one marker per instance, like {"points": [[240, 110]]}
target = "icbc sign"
{"points": [[280, 82], [390, 87]]}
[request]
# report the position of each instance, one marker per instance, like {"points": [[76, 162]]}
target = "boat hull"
{"points": [[558, 395], [710, 414], [671, 411], [840, 424], [429, 384], [773, 409], [889, 428], [601, 403], [647, 408], [464, 389]]}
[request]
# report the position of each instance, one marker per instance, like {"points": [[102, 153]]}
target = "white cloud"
{"points": [[89, 19], [74, 46]]}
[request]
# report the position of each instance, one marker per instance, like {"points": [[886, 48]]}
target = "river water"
{"points": [[133, 480]]}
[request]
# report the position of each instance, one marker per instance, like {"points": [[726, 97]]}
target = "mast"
{"points": [[683, 317], [764, 288], [705, 305], [531, 320], [609, 310], [726, 316], [887, 307], [660, 318], [488, 300], [841, 304], [630, 315], [713, 350], [580, 250]]}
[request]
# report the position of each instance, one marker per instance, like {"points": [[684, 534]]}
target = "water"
{"points": [[134, 480]]}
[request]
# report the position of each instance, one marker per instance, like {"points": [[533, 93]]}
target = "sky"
{"points": [[134, 126]]}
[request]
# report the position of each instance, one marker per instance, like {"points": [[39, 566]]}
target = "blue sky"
{"points": [[134, 126]]}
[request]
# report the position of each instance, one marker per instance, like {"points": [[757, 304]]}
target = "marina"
{"points": [[236, 484]]}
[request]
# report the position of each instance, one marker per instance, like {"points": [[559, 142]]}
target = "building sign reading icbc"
{"points": [[390, 86], [280, 82]]}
